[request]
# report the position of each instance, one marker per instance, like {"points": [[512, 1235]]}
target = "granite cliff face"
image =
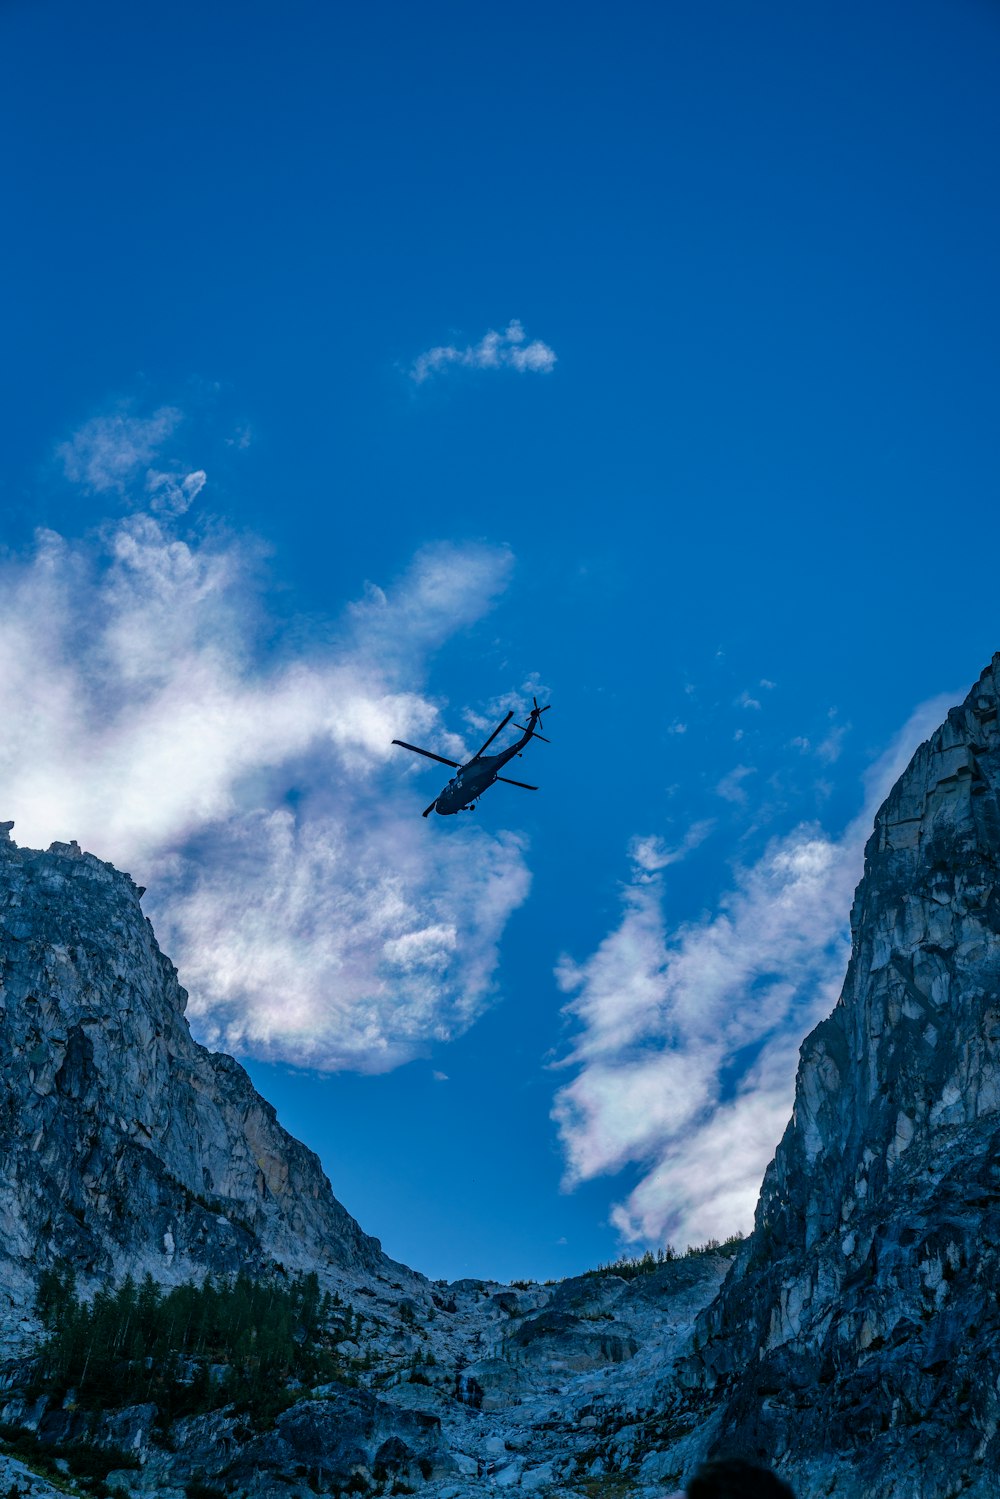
{"points": [[857, 1340], [854, 1343], [124, 1145]]}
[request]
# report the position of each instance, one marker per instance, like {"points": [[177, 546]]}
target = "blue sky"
{"points": [[734, 512]]}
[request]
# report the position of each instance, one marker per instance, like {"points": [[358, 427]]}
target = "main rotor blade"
{"points": [[496, 731], [428, 810], [418, 751], [523, 784], [533, 732]]}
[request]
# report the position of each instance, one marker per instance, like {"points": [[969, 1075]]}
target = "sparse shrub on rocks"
{"points": [[630, 1266]]}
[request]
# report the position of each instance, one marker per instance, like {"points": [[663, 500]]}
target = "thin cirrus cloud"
{"points": [[495, 351], [104, 454], [107, 454], [255, 792], [687, 1038], [731, 787]]}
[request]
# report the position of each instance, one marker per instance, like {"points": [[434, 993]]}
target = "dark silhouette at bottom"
{"points": [[735, 1478]]}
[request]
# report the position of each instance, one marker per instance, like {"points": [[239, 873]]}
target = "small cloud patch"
{"points": [[508, 350], [105, 454], [169, 494], [730, 788]]}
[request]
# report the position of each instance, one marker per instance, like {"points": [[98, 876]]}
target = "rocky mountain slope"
{"points": [[854, 1341], [126, 1148], [550, 1389], [858, 1337], [124, 1145]]}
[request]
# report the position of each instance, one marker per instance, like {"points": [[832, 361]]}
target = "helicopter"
{"points": [[482, 771]]}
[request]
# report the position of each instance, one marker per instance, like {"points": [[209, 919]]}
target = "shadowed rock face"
{"points": [[328, 1440], [861, 1317], [124, 1145]]}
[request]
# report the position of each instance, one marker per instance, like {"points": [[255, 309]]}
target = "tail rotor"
{"points": [[533, 717]]}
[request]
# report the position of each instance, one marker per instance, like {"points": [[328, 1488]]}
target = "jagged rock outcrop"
{"points": [[316, 1447], [124, 1145], [857, 1340], [577, 1330]]}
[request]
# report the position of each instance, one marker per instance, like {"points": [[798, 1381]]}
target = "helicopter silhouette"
{"points": [[482, 771]]}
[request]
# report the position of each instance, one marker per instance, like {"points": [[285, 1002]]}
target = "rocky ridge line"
{"points": [[125, 1146]]}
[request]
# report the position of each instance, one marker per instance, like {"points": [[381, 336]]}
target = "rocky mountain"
{"points": [[124, 1145], [853, 1341], [857, 1340], [550, 1389], [126, 1148]]}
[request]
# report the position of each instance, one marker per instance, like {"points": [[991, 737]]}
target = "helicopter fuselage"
{"points": [[469, 783]]}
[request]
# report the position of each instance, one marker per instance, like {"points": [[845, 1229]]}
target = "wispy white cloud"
{"points": [[173, 494], [312, 913], [731, 787], [105, 454], [829, 748], [687, 1037], [447, 589], [650, 854], [508, 350]]}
